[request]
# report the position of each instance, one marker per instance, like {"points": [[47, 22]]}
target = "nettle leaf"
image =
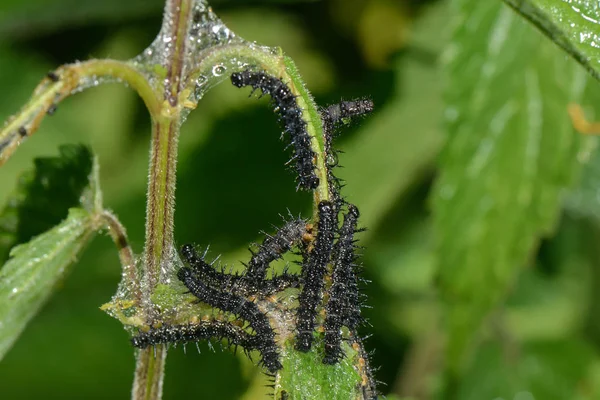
{"points": [[44, 195], [29, 277], [511, 150], [309, 378], [573, 25]]}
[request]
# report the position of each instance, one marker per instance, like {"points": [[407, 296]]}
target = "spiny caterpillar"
{"points": [[273, 247], [334, 114], [204, 330], [332, 117], [343, 307], [314, 268], [367, 384], [207, 330], [290, 115]]}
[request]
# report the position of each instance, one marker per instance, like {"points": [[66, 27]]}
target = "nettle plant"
{"points": [[302, 327]]}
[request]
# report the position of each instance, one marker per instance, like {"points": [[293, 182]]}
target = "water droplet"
{"points": [[219, 70], [201, 80], [332, 160], [221, 32]]}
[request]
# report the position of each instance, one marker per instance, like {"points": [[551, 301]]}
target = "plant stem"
{"points": [[119, 236], [71, 79], [150, 365], [159, 251]]}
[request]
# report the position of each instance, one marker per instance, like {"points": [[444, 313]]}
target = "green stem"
{"points": [[160, 204], [159, 249], [150, 365], [72, 78]]}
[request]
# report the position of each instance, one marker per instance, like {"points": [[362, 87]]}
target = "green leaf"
{"points": [[574, 25], [35, 268], [304, 376], [44, 195], [511, 151]]}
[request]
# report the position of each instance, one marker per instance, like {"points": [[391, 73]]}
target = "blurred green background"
{"points": [[533, 334]]}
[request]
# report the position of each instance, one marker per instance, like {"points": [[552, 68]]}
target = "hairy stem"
{"points": [[159, 251], [150, 365]]}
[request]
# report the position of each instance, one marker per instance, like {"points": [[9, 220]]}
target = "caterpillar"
{"points": [[313, 274], [205, 330], [273, 247], [368, 385], [336, 113], [332, 116], [343, 305], [207, 274], [290, 115]]}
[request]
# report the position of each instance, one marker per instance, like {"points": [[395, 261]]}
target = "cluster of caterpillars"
{"points": [[329, 270]]}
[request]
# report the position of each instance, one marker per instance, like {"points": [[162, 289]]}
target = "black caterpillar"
{"points": [[333, 116], [314, 269], [205, 330], [343, 307], [290, 115], [273, 247]]}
